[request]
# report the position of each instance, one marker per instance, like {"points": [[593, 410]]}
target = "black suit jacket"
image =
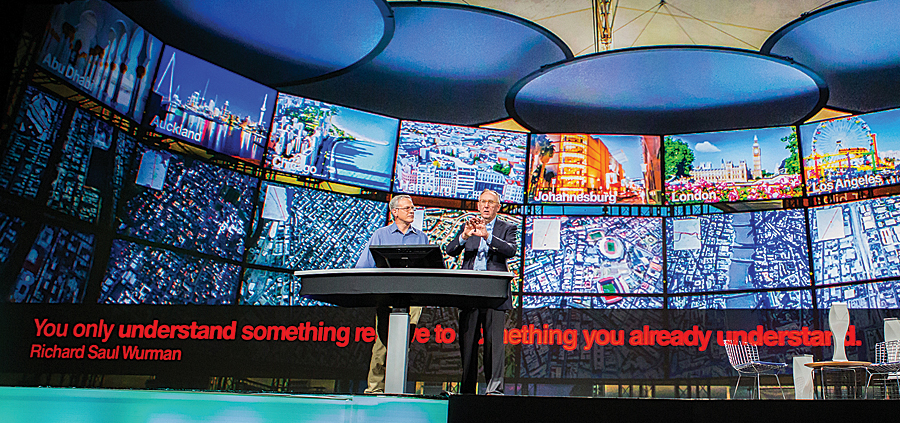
{"points": [[502, 247]]}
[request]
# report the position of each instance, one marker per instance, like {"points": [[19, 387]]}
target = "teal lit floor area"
{"points": [[30, 405]]}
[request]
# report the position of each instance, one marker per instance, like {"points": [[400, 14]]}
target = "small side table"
{"points": [[840, 366]]}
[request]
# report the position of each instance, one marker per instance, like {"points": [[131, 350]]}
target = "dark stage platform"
{"points": [[519, 409]]}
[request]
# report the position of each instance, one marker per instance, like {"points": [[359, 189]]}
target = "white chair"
{"points": [[887, 364], [744, 358]]}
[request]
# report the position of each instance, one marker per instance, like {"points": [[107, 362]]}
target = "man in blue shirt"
{"points": [[401, 232]]}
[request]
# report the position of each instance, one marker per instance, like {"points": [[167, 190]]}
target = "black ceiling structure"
{"points": [[854, 47], [666, 90], [468, 65], [274, 42], [446, 63]]}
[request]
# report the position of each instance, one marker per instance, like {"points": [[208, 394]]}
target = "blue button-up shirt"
{"points": [[484, 247], [390, 235]]}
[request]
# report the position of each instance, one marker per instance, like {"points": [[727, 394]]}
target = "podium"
{"points": [[401, 288]]}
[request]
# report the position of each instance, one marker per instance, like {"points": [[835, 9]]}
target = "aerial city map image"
{"points": [[460, 162], [304, 229], [857, 241], [185, 203], [738, 251], [771, 300], [28, 151], [307, 229], [442, 225], [593, 255], [331, 142], [56, 268], [140, 274]]}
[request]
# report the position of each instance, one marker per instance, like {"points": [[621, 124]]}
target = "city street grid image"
{"points": [[590, 302], [185, 203], [56, 268], [209, 106], [606, 361], [139, 274], [593, 255], [28, 151], [772, 300], [460, 162], [442, 225], [332, 142], [306, 229], [267, 288], [875, 295], [737, 251], [82, 179], [10, 230], [744, 165], [856, 241], [852, 152], [594, 169]]}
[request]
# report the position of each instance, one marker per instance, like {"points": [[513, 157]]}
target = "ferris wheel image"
{"points": [[832, 136], [845, 144]]}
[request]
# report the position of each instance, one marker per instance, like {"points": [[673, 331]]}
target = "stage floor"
{"points": [[32, 405]]}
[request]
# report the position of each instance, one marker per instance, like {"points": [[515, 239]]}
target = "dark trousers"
{"points": [[471, 322]]}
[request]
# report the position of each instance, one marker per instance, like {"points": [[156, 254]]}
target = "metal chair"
{"points": [[744, 357], [887, 363]]}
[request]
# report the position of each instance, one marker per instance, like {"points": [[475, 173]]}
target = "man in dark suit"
{"points": [[486, 243]]}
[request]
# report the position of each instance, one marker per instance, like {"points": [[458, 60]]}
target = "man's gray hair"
{"points": [[492, 192], [395, 201]]}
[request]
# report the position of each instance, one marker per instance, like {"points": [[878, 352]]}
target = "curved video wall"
{"points": [[172, 183]]}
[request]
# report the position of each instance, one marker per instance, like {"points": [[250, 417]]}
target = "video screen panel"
{"points": [[594, 169], [140, 274], [593, 255], [306, 229], [33, 136], [732, 251], [589, 359], [459, 161], [81, 186], [876, 295], [209, 106], [856, 241], [102, 52], [744, 165], [592, 302], [332, 142], [56, 268], [267, 288], [123, 166], [441, 225], [185, 203], [10, 230], [262, 287], [772, 300], [851, 152]]}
